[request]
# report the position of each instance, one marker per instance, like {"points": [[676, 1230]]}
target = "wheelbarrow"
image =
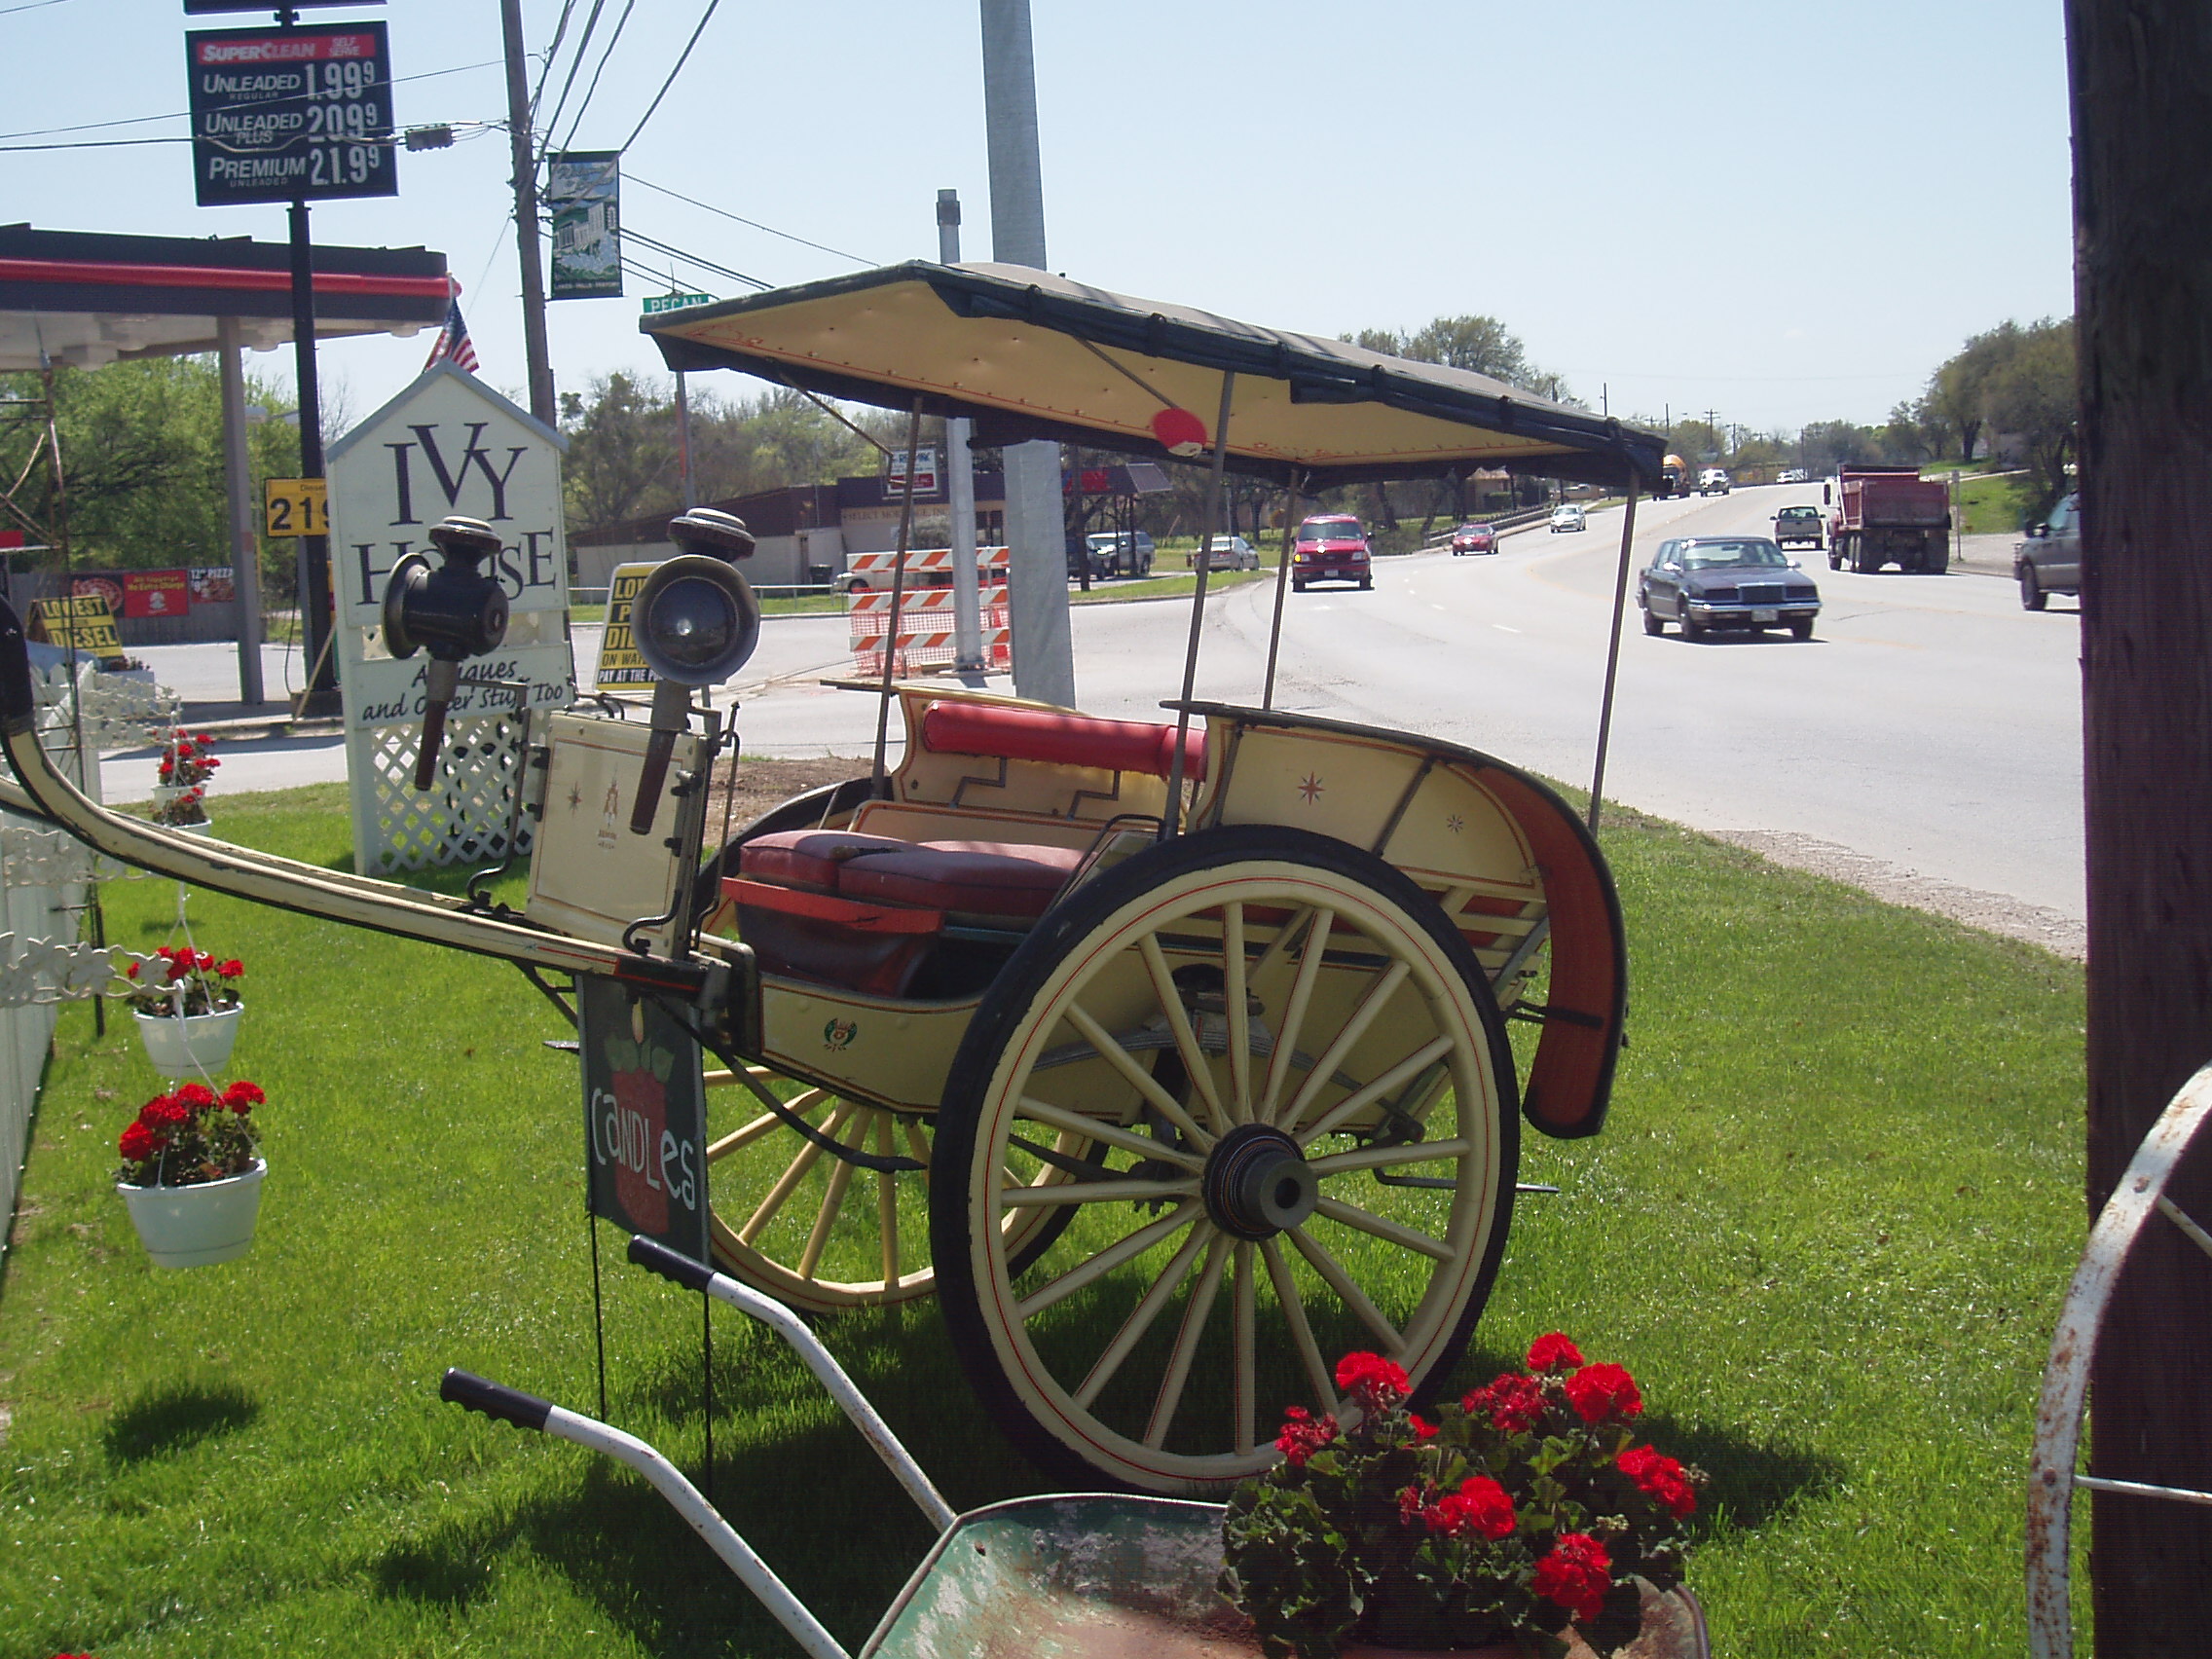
{"points": [[1069, 1575]]}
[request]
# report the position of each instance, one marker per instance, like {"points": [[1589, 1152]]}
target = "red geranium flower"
{"points": [[1423, 1431], [1660, 1477], [1553, 1352], [1576, 1574], [1480, 1506], [1514, 1403], [131, 972], [1597, 1392], [1377, 1383], [164, 1112], [231, 970], [139, 1143], [1304, 1434], [196, 1096], [242, 1097]]}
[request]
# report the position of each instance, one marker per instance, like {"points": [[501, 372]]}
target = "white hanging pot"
{"points": [[195, 1226], [185, 1048]]}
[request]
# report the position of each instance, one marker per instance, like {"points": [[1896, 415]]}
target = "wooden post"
{"points": [[2141, 86]]}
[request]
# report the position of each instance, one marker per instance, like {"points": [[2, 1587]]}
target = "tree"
{"points": [[622, 458], [1480, 344], [2140, 80], [2030, 395], [142, 460], [1958, 391]]}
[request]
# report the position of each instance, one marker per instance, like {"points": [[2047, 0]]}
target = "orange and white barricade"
{"points": [[926, 623]]}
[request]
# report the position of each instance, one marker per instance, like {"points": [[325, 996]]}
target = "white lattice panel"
{"points": [[463, 817]]}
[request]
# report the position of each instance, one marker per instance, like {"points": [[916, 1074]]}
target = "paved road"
{"points": [[1930, 725]]}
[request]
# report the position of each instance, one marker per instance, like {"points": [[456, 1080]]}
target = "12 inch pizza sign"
{"points": [[644, 1116]]}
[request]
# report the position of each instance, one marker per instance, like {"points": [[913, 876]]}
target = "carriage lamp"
{"points": [[454, 613], [695, 622]]}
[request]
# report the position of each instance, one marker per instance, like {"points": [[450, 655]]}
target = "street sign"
{"points": [[644, 1116], [924, 471], [676, 302], [83, 620], [620, 663], [296, 506], [290, 115]]}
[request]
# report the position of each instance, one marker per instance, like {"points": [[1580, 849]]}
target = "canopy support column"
{"points": [[898, 597], [238, 493], [1613, 652], [1172, 820], [1282, 579]]}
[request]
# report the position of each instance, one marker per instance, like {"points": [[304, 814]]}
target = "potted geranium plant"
{"points": [[192, 1172], [1526, 1518], [180, 797], [187, 1008]]}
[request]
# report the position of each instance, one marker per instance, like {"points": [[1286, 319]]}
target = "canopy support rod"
{"points": [[881, 776], [1122, 368], [1282, 579], [1613, 653], [1171, 821]]}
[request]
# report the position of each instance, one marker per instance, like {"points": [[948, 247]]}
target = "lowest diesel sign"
{"points": [[290, 115]]}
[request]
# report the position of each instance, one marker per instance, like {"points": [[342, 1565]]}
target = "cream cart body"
{"points": [[1171, 1058]]}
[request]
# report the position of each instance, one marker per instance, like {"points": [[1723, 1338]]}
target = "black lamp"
{"points": [[454, 613], [695, 622]]}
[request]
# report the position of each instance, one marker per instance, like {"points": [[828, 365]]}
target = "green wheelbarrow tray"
{"points": [[1082, 1575]]}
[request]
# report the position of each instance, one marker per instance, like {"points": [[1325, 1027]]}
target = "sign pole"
{"points": [[321, 695], [245, 545], [683, 444]]}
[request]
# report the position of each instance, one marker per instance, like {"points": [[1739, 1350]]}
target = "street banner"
{"points": [[290, 115], [620, 663], [583, 191], [83, 620], [644, 1116], [156, 593]]}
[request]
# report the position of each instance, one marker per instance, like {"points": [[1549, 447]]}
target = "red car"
{"points": [[1330, 548], [1473, 538]]}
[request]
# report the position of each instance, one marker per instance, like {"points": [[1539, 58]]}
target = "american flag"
{"points": [[453, 339]]}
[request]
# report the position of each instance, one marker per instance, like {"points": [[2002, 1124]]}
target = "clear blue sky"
{"points": [[1784, 213]]}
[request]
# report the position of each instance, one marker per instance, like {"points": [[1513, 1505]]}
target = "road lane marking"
{"points": [[1504, 629]]}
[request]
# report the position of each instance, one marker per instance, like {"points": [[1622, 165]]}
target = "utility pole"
{"points": [[960, 486], [535, 354], [1036, 526], [2140, 81]]}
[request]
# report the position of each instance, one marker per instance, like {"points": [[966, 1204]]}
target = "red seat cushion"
{"points": [[1059, 739], [809, 858], [977, 877]]}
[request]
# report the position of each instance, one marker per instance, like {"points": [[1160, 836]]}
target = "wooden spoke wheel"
{"points": [[824, 1235], [1300, 1092]]}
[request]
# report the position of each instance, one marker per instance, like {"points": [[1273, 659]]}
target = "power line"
{"points": [[35, 5], [683, 59], [612, 40], [738, 218], [630, 233], [180, 114], [575, 63], [552, 52]]}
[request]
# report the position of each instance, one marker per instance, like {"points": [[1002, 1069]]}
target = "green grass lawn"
{"points": [[1827, 1226], [1994, 504]]}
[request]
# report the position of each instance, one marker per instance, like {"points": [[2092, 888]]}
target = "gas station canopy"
{"points": [[88, 299], [1028, 354]]}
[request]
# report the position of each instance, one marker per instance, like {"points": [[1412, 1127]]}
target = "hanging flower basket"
{"points": [[199, 1225], [192, 1173], [196, 1045]]}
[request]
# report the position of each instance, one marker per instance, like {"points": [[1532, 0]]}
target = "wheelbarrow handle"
{"points": [[693, 1276], [471, 1392], [527, 1410]]}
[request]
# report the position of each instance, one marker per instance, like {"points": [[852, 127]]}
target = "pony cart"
{"points": [[1174, 1059]]}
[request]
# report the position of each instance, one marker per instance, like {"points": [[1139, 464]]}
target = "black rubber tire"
{"points": [[1653, 623], [1865, 562], [1693, 630], [1801, 630], [1005, 1019], [2032, 596], [1835, 555], [1365, 584], [1297, 587]]}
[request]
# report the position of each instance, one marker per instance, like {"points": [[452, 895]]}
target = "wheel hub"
{"points": [[1256, 1182]]}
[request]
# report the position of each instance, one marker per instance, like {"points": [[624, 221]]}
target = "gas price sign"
{"points": [[292, 115]]}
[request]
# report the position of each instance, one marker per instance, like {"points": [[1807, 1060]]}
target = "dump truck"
{"points": [[1889, 515]]}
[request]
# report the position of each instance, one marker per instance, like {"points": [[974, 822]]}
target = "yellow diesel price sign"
{"points": [[296, 506], [619, 663], [84, 621]]}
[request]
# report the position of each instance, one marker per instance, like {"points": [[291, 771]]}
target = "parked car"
{"points": [[1705, 582], [1230, 553], [1473, 538], [1794, 524], [1331, 547], [2049, 561], [1568, 517], [1112, 553]]}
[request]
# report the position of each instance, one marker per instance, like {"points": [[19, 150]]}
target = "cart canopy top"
{"points": [[1028, 354]]}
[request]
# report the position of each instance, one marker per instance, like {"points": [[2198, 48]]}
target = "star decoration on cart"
{"points": [[1454, 823], [1310, 787]]}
